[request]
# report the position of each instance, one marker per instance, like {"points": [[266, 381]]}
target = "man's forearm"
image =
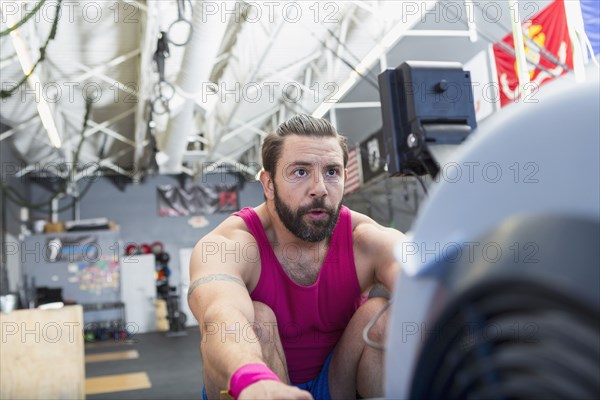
{"points": [[228, 342]]}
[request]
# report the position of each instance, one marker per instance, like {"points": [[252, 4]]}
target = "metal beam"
{"points": [[391, 37], [89, 132], [357, 104], [112, 63], [344, 28], [298, 63], [99, 127], [195, 153], [40, 165], [437, 33], [107, 162], [362, 4], [239, 129], [108, 79], [25, 124], [307, 80], [258, 131], [238, 165], [8, 60], [103, 126], [252, 75]]}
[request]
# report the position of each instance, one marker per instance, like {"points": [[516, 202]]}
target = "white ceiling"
{"points": [[268, 60]]}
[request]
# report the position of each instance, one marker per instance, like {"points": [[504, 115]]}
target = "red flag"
{"points": [[548, 30]]}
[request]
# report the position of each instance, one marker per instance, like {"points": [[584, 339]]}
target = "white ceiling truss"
{"points": [[270, 60]]}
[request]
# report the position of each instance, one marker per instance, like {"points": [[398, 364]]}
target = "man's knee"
{"points": [[367, 312], [263, 313], [265, 323]]}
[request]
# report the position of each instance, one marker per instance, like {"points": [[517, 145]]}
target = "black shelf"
{"points": [[105, 329]]}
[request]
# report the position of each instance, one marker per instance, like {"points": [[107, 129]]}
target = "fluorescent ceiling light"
{"points": [[34, 82]]}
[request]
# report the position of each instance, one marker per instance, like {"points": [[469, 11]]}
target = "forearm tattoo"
{"points": [[213, 277]]}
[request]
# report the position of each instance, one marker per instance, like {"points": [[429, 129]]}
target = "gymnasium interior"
{"points": [[130, 129]]}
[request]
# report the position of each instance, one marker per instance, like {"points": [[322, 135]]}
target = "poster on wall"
{"points": [[228, 201], [72, 249], [96, 278], [372, 152], [176, 201]]}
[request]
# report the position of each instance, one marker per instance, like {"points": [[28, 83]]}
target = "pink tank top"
{"points": [[310, 319]]}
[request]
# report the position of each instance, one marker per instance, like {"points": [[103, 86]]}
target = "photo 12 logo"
{"points": [[467, 252], [253, 92], [49, 332], [471, 333], [489, 172], [319, 12], [115, 11], [460, 12], [54, 92]]}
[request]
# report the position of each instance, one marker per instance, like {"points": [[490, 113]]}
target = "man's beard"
{"points": [[313, 231]]}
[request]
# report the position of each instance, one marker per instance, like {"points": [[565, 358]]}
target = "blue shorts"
{"points": [[318, 387]]}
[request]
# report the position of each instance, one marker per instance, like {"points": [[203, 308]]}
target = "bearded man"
{"points": [[281, 303]]}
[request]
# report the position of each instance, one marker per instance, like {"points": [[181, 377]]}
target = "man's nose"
{"points": [[318, 188]]}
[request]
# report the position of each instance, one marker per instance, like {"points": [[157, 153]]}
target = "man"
{"points": [[278, 290]]}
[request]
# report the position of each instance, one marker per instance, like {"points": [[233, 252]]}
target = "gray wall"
{"points": [[135, 210], [392, 202]]}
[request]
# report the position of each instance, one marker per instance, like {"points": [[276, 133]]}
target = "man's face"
{"points": [[308, 187]]}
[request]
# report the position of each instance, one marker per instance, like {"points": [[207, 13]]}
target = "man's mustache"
{"points": [[317, 203]]}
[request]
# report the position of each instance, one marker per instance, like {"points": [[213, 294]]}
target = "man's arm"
{"points": [[219, 298], [220, 301], [376, 245]]}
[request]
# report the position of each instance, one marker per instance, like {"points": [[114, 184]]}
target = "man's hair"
{"points": [[302, 125]]}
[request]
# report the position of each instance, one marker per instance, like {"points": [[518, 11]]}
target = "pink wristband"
{"points": [[248, 374]]}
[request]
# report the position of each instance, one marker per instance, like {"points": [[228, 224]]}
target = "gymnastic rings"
{"points": [[163, 93], [160, 106], [164, 89], [182, 27]]}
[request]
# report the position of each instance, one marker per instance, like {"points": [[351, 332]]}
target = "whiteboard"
{"points": [[138, 292]]}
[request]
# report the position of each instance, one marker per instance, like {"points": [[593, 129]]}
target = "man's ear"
{"points": [[267, 184]]}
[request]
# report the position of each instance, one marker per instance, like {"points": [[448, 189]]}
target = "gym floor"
{"points": [[147, 366]]}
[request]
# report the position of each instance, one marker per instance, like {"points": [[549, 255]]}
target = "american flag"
{"points": [[354, 173]]}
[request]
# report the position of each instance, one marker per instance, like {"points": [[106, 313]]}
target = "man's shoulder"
{"points": [[234, 228], [367, 231], [229, 245], [361, 221]]}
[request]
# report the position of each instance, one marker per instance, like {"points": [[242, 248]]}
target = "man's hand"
{"points": [[273, 390]]}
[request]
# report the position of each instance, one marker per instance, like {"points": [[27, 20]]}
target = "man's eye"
{"points": [[332, 172], [300, 172]]}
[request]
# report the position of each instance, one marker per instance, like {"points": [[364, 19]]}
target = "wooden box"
{"points": [[42, 354]]}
